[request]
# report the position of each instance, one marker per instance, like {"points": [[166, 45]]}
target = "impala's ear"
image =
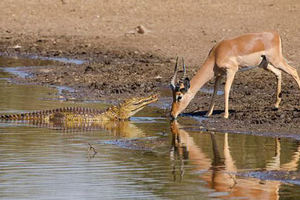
{"points": [[186, 83]]}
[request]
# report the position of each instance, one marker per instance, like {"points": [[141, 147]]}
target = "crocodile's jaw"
{"points": [[142, 104], [131, 106]]}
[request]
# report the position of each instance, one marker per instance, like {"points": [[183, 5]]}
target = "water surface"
{"points": [[42, 161]]}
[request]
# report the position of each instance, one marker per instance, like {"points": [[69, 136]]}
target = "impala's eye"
{"points": [[183, 90], [179, 98]]}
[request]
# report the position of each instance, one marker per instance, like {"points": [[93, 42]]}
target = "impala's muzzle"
{"points": [[172, 117], [173, 113]]}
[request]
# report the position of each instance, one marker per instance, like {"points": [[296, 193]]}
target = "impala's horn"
{"points": [[185, 80], [184, 72], [173, 80]]}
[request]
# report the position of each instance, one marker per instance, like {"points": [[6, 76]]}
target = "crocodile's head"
{"points": [[130, 107]]}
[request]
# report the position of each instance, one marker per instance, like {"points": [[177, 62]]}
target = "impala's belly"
{"points": [[250, 60]]}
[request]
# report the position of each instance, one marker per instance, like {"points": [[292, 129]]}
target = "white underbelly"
{"points": [[250, 60]]}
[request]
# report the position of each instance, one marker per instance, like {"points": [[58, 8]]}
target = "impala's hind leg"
{"points": [[281, 64], [212, 103], [277, 73]]}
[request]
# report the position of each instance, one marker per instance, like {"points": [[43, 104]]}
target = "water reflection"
{"points": [[117, 128], [221, 173]]}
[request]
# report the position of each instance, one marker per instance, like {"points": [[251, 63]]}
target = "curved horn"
{"points": [[184, 72], [173, 81]]}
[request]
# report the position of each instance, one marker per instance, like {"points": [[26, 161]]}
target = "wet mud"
{"points": [[115, 75]]}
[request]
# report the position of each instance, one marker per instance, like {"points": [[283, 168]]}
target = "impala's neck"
{"points": [[203, 75], [182, 99]]}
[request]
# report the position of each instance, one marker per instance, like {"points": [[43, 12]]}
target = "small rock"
{"points": [[71, 99], [88, 69], [57, 53], [141, 29], [45, 70], [17, 47]]}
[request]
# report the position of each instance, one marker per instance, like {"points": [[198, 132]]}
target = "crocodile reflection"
{"points": [[117, 128], [221, 172]]}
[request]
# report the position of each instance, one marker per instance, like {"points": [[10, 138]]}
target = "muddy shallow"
{"points": [[114, 75]]}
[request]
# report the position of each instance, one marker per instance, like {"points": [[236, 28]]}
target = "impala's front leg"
{"points": [[212, 103], [229, 79]]}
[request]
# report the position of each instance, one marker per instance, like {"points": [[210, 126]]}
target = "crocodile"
{"points": [[120, 112]]}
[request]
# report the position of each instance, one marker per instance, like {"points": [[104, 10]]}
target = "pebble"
{"points": [[17, 47], [141, 29]]}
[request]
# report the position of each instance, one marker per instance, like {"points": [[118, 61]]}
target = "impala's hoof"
{"points": [[206, 116]]}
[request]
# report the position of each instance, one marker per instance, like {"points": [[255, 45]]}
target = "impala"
{"points": [[226, 58]]}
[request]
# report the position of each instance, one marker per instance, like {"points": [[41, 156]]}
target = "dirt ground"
{"points": [[124, 60]]}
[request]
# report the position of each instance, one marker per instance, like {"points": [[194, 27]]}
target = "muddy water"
{"points": [[167, 161]]}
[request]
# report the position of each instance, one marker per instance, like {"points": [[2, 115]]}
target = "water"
{"points": [[53, 161]]}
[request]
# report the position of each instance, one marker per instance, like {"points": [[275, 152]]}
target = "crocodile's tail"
{"points": [[25, 116], [46, 114]]}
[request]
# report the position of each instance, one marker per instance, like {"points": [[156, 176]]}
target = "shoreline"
{"points": [[261, 120]]}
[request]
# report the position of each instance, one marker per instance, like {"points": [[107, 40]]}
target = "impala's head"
{"points": [[179, 90]]}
